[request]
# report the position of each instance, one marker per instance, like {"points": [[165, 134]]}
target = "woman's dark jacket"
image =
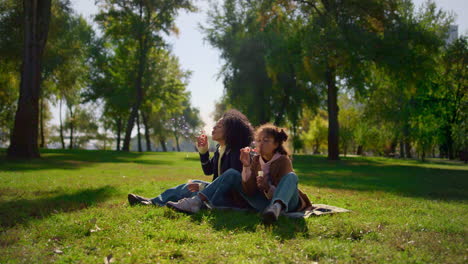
{"points": [[229, 160]]}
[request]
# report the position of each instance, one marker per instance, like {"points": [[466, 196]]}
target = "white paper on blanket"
{"points": [[318, 209]]}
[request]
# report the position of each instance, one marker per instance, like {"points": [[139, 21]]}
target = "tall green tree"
{"points": [[83, 125], [262, 72], [23, 142], [315, 131], [66, 59], [64, 52], [344, 40], [405, 79], [164, 92], [339, 41], [234, 30], [11, 20], [138, 23], [454, 97], [110, 83]]}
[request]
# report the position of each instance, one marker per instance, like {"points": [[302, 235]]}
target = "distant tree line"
{"points": [[368, 76], [50, 55]]}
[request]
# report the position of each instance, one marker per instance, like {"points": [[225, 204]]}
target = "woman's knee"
{"points": [[292, 177], [231, 173], [231, 176]]}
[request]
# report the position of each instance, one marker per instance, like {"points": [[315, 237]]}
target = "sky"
{"points": [[197, 56]]}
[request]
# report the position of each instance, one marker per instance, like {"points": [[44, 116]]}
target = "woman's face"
{"points": [[218, 131], [265, 144]]}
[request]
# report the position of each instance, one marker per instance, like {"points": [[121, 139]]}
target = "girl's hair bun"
{"points": [[283, 136]]}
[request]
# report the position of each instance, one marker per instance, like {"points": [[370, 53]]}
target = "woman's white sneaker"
{"points": [[187, 205]]}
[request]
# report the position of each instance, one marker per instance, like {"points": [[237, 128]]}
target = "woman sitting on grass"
{"points": [[267, 182], [233, 132]]}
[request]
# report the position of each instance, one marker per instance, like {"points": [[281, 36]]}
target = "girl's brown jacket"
{"points": [[278, 169]]}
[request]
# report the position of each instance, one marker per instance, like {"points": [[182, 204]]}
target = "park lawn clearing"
{"points": [[71, 207]]}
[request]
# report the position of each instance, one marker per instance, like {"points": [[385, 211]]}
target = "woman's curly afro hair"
{"points": [[238, 132]]}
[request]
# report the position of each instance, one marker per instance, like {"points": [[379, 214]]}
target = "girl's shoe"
{"points": [[271, 213]]}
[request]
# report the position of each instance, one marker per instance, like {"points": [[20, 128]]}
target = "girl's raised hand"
{"points": [[245, 156]]}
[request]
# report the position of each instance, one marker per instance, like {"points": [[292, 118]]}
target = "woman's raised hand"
{"points": [[245, 156], [202, 140], [202, 143]]}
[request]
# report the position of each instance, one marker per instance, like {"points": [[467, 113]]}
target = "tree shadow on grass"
{"points": [[74, 159], [24, 210], [408, 178], [248, 221]]}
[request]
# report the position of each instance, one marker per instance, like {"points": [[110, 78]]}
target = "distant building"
{"points": [[452, 34]]}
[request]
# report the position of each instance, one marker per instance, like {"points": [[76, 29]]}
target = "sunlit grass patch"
{"points": [[70, 206]]}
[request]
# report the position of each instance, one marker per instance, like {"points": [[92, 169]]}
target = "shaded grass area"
{"points": [[74, 159], [20, 211], [402, 177], [70, 206]]}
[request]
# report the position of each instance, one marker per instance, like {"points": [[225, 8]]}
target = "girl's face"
{"points": [[266, 144], [218, 131]]}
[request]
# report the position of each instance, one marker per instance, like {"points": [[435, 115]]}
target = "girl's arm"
{"points": [[249, 175], [283, 166]]}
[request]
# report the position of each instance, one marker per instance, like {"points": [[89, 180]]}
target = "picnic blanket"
{"points": [[318, 209]]}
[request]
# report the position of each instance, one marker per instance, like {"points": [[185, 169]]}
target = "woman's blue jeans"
{"points": [[286, 191], [175, 194]]}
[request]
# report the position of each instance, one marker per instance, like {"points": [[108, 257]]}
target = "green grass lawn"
{"points": [[71, 207]]}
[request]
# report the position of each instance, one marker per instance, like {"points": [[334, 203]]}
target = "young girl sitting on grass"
{"points": [[268, 182]]}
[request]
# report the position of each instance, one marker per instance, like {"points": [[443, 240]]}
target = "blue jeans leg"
{"points": [[287, 192], [174, 194], [231, 180], [258, 201], [218, 190]]}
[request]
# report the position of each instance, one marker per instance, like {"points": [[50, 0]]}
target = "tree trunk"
{"points": [[408, 149], [147, 134], [119, 131], [359, 150], [316, 147], [129, 128], [41, 118], [71, 128], [393, 146], [450, 150], [163, 144], [23, 140], [402, 149], [62, 140], [407, 142], [333, 127], [177, 141], [138, 133]]}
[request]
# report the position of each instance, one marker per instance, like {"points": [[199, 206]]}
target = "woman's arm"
{"points": [[203, 146], [207, 163], [234, 160]]}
